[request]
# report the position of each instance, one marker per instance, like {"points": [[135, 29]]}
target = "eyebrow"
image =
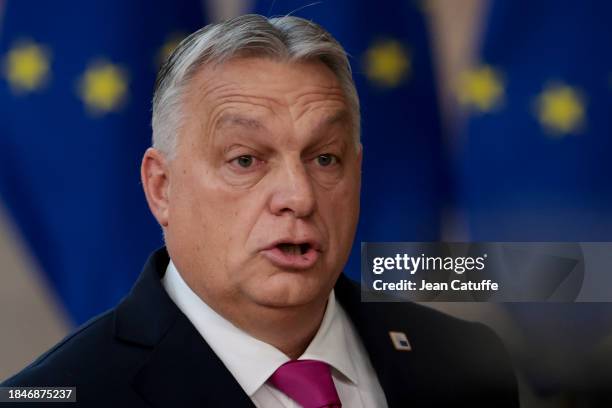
{"points": [[338, 117]]}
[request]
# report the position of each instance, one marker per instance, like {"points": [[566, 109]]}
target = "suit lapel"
{"points": [[184, 372], [397, 370], [181, 369]]}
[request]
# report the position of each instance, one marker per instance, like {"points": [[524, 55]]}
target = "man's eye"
{"points": [[325, 160], [245, 161]]}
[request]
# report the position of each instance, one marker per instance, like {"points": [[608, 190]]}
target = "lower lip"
{"points": [[290, 261]]}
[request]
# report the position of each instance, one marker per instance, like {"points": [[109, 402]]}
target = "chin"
{"points": [[290, 289]]}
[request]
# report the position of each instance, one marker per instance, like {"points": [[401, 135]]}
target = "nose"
{"points": [[293, 191]]}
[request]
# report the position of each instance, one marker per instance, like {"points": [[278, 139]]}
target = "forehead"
{"points": [[266, 88]]}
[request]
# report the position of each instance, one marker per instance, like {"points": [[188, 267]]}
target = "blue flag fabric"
{"points": [[403, 162], [536, 165], [75, 90], [536, 162]]}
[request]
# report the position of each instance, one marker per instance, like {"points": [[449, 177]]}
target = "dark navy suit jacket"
{"points": [[146, 353]]}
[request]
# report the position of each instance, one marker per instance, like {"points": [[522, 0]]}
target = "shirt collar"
{"points": [[248, 359], [329, 344]]}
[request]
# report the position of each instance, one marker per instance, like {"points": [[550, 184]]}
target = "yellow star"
{"points": [[480, 89], [26, 67], [560, 109], [387, 63], [103, 87], [172, 41]]}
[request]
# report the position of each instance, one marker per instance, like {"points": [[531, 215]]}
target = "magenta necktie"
{"points": [[307, 382]]}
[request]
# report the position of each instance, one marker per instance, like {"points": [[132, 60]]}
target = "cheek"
{"points": [[194, 204], [340, 208], [215, 214]]}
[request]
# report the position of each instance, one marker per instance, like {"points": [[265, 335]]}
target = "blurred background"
{"points": [[483, 120]]}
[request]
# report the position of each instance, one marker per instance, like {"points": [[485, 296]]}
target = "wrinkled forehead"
{"points": [[319, 126], [251, 92]]}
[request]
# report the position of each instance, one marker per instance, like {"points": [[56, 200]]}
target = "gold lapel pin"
{"points": [[400, 341]]}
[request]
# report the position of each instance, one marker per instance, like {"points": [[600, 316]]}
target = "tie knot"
{"points": [[307, 382]]}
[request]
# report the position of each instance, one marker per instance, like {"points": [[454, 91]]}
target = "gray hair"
{"points": [[284, 38]]}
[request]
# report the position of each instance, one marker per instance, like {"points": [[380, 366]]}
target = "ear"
{"points": [[154, 174], [359, 156]]}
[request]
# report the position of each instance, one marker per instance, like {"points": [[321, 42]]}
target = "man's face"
{"points": [[263, 194]]}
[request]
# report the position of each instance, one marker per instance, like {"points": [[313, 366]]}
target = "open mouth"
{"points": [[287, 255], [294, 249]]}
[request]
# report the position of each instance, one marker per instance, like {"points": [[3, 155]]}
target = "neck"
{"points": [[288, 329]]}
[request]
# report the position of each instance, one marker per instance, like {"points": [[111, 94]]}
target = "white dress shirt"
{"points": [[252, 361]]}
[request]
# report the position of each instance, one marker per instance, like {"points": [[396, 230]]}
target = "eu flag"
{"points": [[403, 163], [536, 162], [77, 79]]}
